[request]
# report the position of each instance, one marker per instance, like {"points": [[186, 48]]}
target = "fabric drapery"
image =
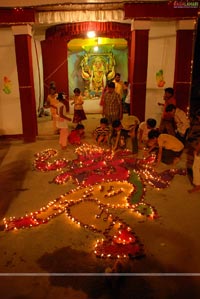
{"points": [[52, 17], [78, 30], [138, 71], [183, 67]]}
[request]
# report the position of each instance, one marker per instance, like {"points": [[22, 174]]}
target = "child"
{"points": [[52, 102], [76, 135], [167, 124], [196, 166], [169, 147], [131, 123], [143, 131], [102, 132], [119, 136], [62, 120], [78, 101]]}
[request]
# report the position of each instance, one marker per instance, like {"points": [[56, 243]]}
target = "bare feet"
{"points": [[57, 132], [195, 189], [176, 160]]}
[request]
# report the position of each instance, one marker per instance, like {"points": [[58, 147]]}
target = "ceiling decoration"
{"points": [[35, 3], [45, 13]]}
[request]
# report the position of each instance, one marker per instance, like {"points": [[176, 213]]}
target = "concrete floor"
{"points": [[171, 242]]}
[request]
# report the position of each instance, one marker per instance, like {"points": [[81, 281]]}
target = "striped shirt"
{"points": [[112, 105], [102, 131]]}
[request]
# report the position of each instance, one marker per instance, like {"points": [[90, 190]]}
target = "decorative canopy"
{"points": [[75, 30], [31, 3]]}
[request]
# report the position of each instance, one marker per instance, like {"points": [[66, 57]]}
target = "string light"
{"points": [[105, 182]]}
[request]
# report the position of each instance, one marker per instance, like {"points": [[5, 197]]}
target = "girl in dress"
{"points": [[78, 101], [62, 121]]}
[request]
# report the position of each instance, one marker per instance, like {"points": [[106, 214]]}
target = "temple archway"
{"points": [[69, 57]]}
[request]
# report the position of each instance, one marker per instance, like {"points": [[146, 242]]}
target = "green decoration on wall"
{"points": [[6, 85], [160, 78]]}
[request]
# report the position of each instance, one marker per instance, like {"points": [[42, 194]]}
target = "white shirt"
{"points": [[127, 99], [181, 120], [145, 131], [61, 122]]}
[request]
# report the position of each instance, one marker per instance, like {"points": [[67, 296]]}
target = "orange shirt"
{"points": [[53, 101], [78, 102], [119, 87], [168, 115]]}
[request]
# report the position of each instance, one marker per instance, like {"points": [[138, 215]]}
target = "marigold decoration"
{"points": [[106, 182]]}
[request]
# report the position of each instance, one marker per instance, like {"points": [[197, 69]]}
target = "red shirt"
{"points": [[168, 115], [74, 137]]}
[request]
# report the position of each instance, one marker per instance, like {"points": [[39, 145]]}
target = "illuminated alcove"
{"points": [[92, 62]]}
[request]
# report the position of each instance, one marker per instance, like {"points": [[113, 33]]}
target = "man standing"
{"points": [[112, 106], [118, 85]]}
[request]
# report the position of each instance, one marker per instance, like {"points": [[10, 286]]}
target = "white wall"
{"points": [[162, 44], [37, 72], [10, 112], [10, 109], [162, 47]]}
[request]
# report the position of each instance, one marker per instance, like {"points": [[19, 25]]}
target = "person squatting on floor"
{"points": [[144, 128], [77, 135], [102, 132], [131, 123], [62, 121], [120, 136], [182, 122], [168, 147]]}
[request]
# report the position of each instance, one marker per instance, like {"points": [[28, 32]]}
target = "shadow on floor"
{"points": [[11, 177], [67, 260], [4, 148]]}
